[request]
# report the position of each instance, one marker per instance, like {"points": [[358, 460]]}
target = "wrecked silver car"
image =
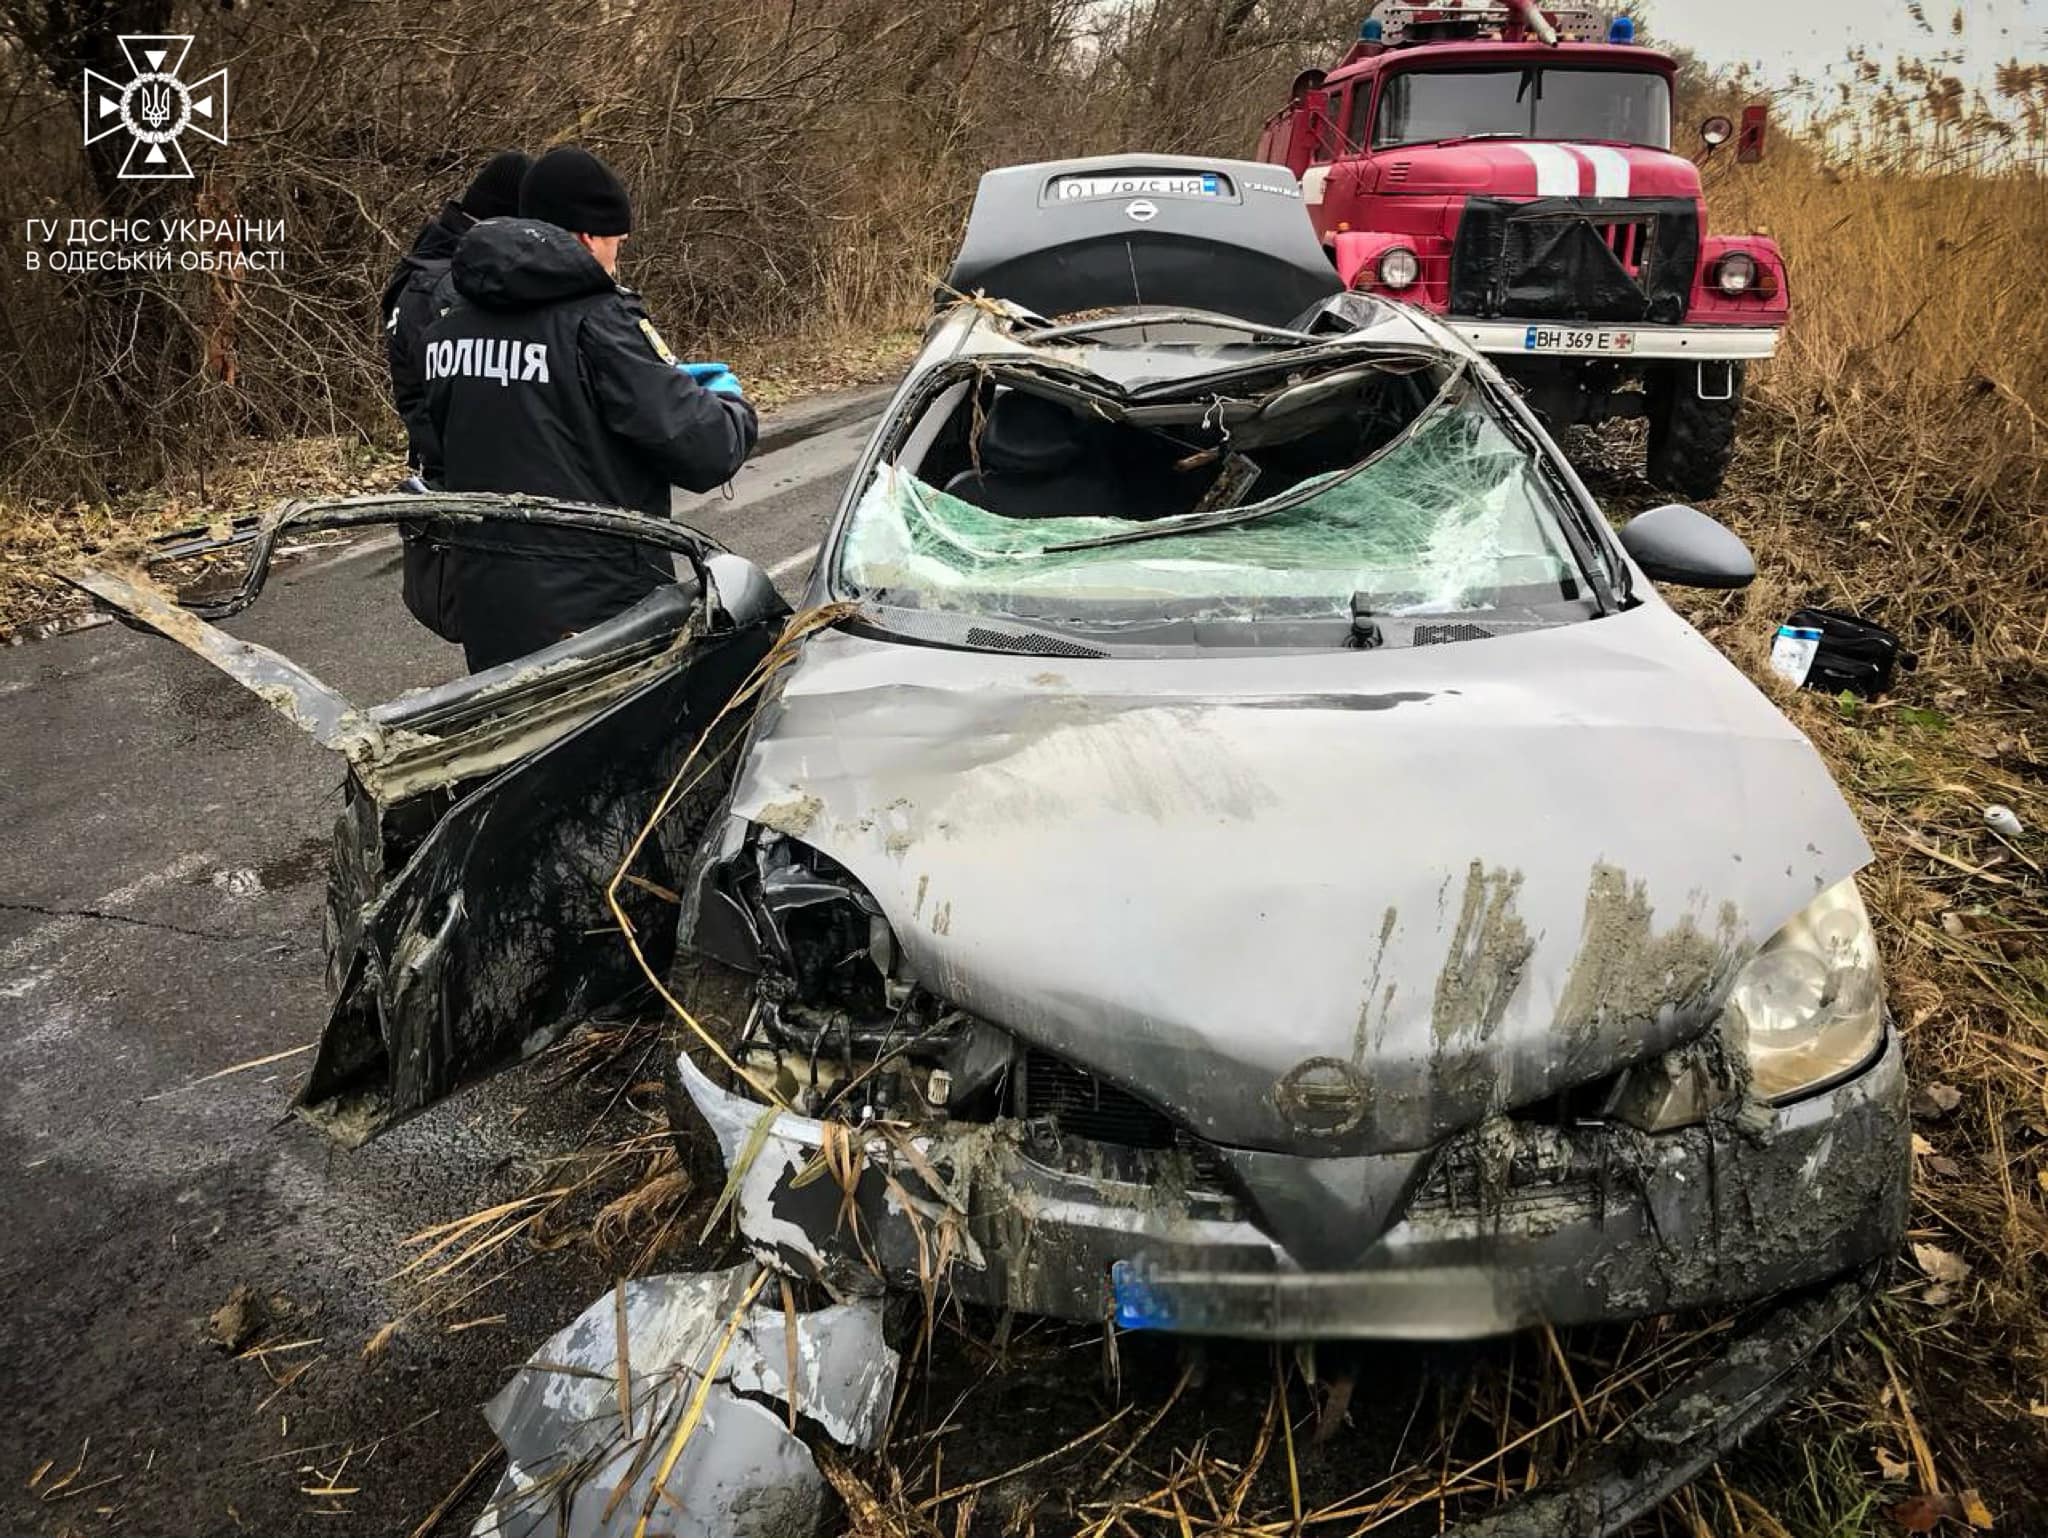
{"points": [[1232, 844], [1260, 858]]}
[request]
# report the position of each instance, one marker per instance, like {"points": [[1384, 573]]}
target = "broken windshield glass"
{"points": [[1444, 520]]}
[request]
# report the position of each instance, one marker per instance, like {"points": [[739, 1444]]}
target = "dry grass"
{"points": [[1894, 463]]}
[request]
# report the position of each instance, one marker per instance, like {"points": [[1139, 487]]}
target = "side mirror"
{"points": [[1749, 148], [744, 591], [1315, 106], [1716, 131], [1683, 546]]}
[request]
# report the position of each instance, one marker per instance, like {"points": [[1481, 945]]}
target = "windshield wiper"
{"points": [[1196, 523]]}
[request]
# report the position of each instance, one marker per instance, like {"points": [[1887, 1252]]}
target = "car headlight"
{"points": [[1736, 273], [1398, 267], [1809, 1007]]}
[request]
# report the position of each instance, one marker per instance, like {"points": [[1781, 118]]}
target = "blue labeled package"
{"points": [[1792, 652]]}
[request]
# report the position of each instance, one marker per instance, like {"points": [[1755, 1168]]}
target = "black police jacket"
{"points": [[545, 377], [413, 300], [408, 310]]}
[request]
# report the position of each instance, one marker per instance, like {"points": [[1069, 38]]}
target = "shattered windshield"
{"points": [[1449, 515], [1424, 106]]}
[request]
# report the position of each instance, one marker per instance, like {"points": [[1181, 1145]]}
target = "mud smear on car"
{"points": [[1626, 970]]}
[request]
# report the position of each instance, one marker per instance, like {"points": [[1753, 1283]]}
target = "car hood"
{"points": [[1334, 903]]}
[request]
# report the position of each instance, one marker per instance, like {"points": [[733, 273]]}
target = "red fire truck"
{"points": [[1510, 170]]}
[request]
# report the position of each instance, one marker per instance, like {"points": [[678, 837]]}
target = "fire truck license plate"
{"points": [[1577, 339]]}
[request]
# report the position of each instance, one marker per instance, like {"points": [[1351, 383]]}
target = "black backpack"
{"points": [[1854, 654]]}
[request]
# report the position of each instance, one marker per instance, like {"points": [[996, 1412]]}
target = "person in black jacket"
{"points": [[408, 297], [409, 307], [545, 376]]}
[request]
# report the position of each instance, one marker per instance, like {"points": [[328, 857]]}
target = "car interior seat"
{"points": [[1037, 459], [1041, 459]]}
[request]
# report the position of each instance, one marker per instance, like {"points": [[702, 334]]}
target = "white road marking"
{"points": [[357, 551], [783, 568], [1610, 169], [61, 928], [1557, 169]]}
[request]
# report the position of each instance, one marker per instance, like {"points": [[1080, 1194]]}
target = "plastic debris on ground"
{"points": [[583, 1456]]}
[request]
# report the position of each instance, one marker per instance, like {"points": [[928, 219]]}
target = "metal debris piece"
{"points": [[2000, 819], [845, 1371], [582, 1457]]}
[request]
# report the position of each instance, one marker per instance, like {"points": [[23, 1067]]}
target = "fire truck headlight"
{"points": [[1735, 273], [1398, 267]]}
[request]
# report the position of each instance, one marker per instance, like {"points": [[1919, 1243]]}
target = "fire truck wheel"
{"points": [[1691, 440]]}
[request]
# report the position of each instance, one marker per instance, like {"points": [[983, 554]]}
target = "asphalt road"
{"points": [[161, 876]]}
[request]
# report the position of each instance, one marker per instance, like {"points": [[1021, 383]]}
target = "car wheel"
{"points": [[1691, 440]]}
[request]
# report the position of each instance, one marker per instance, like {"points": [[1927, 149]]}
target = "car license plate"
{"points": [[1577, 339], [1199, 184], [1140, 1305]]}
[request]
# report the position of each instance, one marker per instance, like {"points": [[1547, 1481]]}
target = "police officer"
{"points": [[409, 307], [545, 376], [408, 297]]}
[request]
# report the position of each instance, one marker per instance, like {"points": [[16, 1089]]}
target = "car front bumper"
{"points": [[1515, 1224], [1652, 344]]}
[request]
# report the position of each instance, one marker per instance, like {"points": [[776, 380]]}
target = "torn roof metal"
{"points": [[1181, 346]]}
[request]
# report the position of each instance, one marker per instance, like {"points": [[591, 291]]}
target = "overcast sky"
{"points": [[1813, 37]]}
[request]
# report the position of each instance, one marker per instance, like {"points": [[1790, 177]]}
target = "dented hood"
{"points": [[1332, 903]]}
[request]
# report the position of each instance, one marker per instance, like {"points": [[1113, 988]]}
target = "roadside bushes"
{"points": [[793, 167]]}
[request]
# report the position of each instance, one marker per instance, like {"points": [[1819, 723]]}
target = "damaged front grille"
{"points": [[1082, 1105], [1084, 1110], [1535, 1170]]}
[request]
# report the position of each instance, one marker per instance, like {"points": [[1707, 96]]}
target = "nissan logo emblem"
{"points": [[1144, 210]]}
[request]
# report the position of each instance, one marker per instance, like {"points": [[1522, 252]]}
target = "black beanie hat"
{"points": [[573, 188], [495, 191]]}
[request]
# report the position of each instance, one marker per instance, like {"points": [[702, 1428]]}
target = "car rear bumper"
{"points": [[1515, 1224], [1656, 344]]}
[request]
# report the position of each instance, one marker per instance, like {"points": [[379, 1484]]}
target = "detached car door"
{"points": [[483, 819]]}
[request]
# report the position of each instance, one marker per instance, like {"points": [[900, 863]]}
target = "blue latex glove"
{"points": [[715, 377]]}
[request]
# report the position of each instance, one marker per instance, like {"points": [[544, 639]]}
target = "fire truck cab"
{"points": [[1510, 170]]}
